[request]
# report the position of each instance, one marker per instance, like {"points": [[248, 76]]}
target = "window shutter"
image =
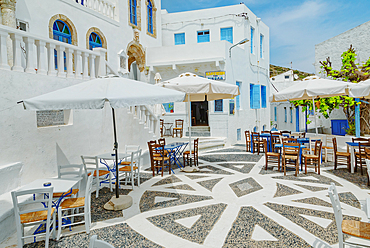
{"points": [[256, 97], [263, 96], [251, 96], [238, 97]]}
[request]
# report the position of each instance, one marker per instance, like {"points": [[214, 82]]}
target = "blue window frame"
{"points": [[203, 36], [150, 17], [219, 105], [275, 114], [61, 32], [261, 46], [237, 98], [255, 96], [285, 120], [94, 41], [239, 134], [133, 17], [180, 39], [291, 115], [252, 35], [227, 34], [263, 96]]}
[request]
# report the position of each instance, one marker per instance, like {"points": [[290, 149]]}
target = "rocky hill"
{"points": [[276, 70]]}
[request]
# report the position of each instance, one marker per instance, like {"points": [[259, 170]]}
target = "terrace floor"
{"points": [[231, 202]]}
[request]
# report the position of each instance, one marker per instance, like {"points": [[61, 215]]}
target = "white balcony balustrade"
{"points": [[104, 7], [34, 54]]}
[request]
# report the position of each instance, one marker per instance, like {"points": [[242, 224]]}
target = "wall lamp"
{"points": [[237, 44]]}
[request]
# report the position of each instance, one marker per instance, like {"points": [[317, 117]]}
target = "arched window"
{"points": [[61, 32], [94, 41], [133, 17], [150, 17]]}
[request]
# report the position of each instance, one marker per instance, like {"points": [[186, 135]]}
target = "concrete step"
{"points": [[199, 131], [206, 144]]}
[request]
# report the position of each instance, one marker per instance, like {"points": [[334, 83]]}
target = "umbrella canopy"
{"points": [[119, 92], [197, 88], [312, 87], [362, 89]]}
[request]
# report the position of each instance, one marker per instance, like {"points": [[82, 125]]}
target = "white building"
{"points": [[46, 45], [204, 41]]}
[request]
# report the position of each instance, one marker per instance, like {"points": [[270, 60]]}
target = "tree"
{"points": [[350, 72]]}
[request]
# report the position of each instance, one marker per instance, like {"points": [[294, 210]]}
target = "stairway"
{"points": [[199, 131]]}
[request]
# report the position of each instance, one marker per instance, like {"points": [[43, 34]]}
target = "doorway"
{"points": [[199, 113]]}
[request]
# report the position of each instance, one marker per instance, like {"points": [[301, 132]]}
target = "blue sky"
{"points": [[295, 26]]}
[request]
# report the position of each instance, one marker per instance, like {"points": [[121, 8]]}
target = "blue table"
{"points": [[300, 150], [269, 143], [176, 149]]}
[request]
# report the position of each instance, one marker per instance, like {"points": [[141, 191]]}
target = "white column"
{"points": [[51, 59], [41, 57], [17, 52], [60, 59], [142, 115], [69, 61], [78, 64], [30, 55], [92, 65], [84, 65], [8, 19], [3, 52], [102, 68]]}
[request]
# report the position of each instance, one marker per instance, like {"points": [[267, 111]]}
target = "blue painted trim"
{"points": [[357, 118], [297, 119]]}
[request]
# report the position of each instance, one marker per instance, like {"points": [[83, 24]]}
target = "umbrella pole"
{"points": [[116, 150], [314, 111], [189, 107]]}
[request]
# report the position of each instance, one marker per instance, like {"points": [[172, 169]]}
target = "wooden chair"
{"points": [[247, 140], [95, 243], [353, 228], [161, 127], [360, 156], [91, 166], [287, 133], [74, 171], [328, 147], [314, 159], [131, 168], [291, 152], [194, 153], [257, 143], [158, 157], [367, 161], [33, 213], [359, 140], [341, 158], [67, 208], [273, 157], [177, 130], [275, 139]]}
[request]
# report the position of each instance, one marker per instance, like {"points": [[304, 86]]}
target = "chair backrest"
{"points": [[318, 146], [302, 135], [247, 136], [196, 145], [95, 243], [131, 148], [335, 146], [286, 132], [334, 198], [265, 131], [265, 145], [88, 193], [289, 140], [70, 170], [30, 206], [291, 149], [162, 141], [90, 164], [361, 149], [135, 157], [255, 136], [360, 140], [179, 123]]}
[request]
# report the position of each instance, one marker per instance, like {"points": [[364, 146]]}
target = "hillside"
{"points": [[276, 70]]}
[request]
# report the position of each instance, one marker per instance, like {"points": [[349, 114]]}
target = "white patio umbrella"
{"points": [[197, 88], [362, 89], [119, 92], [310, 88]]}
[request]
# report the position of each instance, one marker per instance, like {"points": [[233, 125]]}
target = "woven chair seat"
{"points": [[127, 168], [188, 152], [160, 158], [73, 203], [60, 194], [272, 154], [290, 157], [126, 163], [310, 156], [327, 147], [347, 154], [101, 173], [35, 216], [356, 228]]}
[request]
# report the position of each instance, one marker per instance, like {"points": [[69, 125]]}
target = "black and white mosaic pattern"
{"points": [[209, 184], [244, 187], [182, 187], [168, 180], [283, 190], [314, 201], [241, 167]]}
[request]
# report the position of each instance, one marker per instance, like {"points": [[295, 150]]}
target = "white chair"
{"points": [[72, 204], [131, 168], [328, 148], [30, 214], [351, 227], [74, 171], [91, 166], [95, 243]]}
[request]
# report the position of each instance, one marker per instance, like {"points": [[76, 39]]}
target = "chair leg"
{"points": [[279, 162], [60, 221], [305, 166], [266, 162], [97, 186], [296, 168], [87, 220], [110, 181], [284, 166], [318, 166], [132, 178]]}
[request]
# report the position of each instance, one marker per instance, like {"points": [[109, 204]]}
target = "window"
{"points": [[239, 134], [227, 34], [275, 114], [285, 120], [286, 76], [219, 105], [261, 46], [203, 36], [237, 98], [133, 17], [255, 96], [252, 34], [150, 17], [263, 96], [169, 107], [81, 2], [231, 107], [61, 32], [180, 39], [291, 115], [94, 41]]}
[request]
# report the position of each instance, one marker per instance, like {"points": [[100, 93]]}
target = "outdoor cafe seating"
{"points": [[194, 153], [313, 160], [158, 158], [178, 129], [131, 168]]}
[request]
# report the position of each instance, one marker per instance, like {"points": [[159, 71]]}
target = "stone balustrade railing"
{"points": [[104, 7], [146, 117], [29, 53]]}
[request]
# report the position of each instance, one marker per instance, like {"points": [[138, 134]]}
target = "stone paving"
{"points": [[230, 202]]}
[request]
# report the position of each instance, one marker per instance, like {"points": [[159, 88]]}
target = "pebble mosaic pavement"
{"points": [[231, 202]]}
